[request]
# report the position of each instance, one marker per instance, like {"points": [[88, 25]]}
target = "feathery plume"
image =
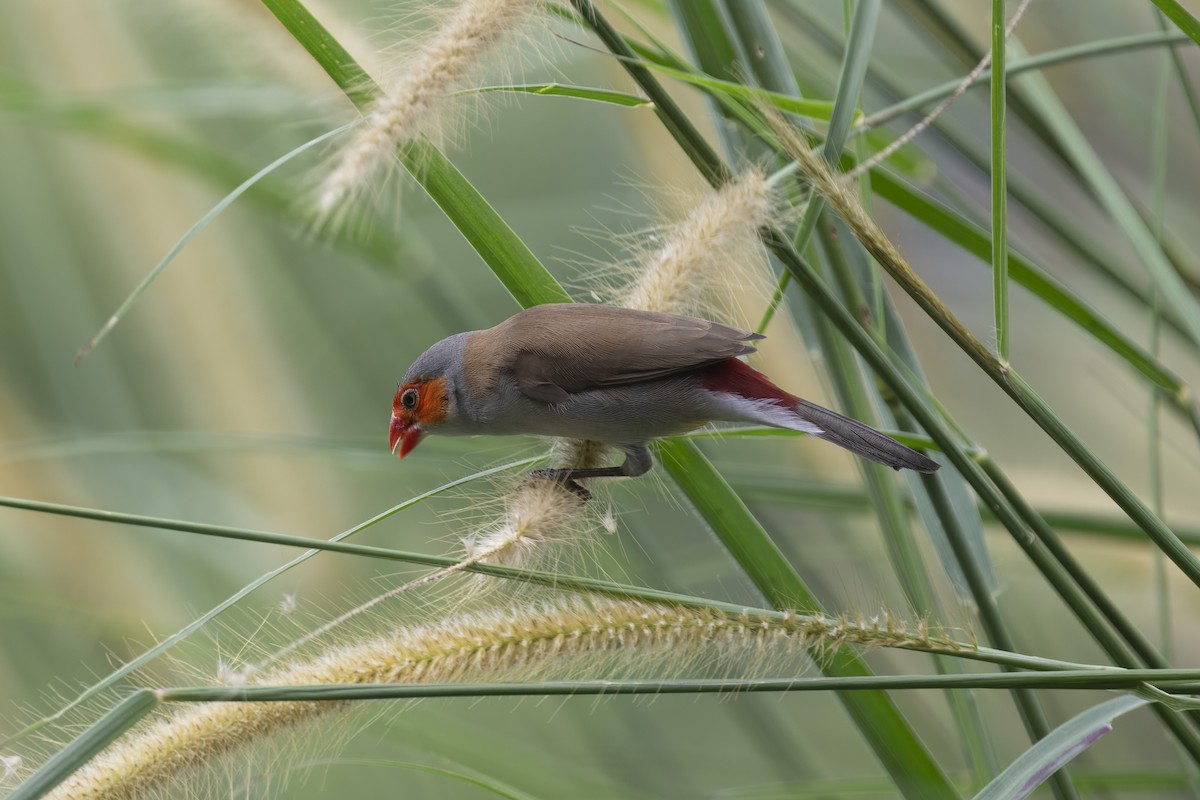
{"points": [[565, 638], [411, 107], [698, 252]]}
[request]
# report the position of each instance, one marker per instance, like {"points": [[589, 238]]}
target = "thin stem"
{"points": [[1028, 706], [1172, 681], [999, 184], [1017, 66], [1159, 151]]}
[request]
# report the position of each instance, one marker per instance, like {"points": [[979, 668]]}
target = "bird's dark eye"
{"points": [[409, 399]]}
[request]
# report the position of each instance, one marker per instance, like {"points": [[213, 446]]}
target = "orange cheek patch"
{"points": [[431, 402]]}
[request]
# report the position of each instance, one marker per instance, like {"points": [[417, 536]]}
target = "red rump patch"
{"points": [[735, 376]]}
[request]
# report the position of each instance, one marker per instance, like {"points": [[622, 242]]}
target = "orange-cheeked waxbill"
{"points": [[611, 375]]}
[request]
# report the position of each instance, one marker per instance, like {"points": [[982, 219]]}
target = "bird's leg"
{"points": [[638, 461]]}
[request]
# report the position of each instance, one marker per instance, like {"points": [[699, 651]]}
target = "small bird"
{"points": [[612, 375]]}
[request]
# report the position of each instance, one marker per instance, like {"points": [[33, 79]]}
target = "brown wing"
{"points": [[553, 351]]}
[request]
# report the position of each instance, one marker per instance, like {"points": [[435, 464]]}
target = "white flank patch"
{"points": [[767, 412]]}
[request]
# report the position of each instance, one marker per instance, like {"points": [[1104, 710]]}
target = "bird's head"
{"points": [[419, 405], [426, 397]]}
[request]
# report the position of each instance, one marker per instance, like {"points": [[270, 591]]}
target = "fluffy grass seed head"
{"points": [[572, 638], [537, 514], [699, 264], [413, 103]]}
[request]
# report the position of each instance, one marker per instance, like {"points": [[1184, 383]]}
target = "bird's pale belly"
{"points": [[615, 415]]}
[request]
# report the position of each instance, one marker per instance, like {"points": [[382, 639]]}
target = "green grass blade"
{"points": [[1028, 194], [1135, 648], [336, 60], [950, 37], [209, 164], [961, 501], [987, 492], [526, 278], [1103, 47], [1025, 273], [724, 512], [244, 534], [1065, 742], [198, 226], [999, 183], [1181, 17], [875, 714], [757, 30], [529, 282], [1105, 478], [189, 442], [337, 545], [849, 499], [849, 88], [101, 734], [1113, 199], [1181, 74], [800, 107], [1008, 380], [1176, 680], [608, 96], [666, 109], [852, 75], [1028, 706], [702, 26]]}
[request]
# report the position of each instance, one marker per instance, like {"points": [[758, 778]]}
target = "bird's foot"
{"points": [[563, 478]]}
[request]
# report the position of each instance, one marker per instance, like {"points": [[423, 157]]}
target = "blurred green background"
{"points": [[251, 385]]}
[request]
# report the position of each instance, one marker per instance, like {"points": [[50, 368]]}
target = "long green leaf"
{"points": [[1073, 235], [715, 171], [565, 90], [851, 499], [1112, 197], [1016, 66], [875, 714], [529, 282], [1049, 755], [976, 241], [999, 116], [846, 261], [812, 109], [99, 735], [207, 163], [1176, 680], [196, 227], [1183, 20]]}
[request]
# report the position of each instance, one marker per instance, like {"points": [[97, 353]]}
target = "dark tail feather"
{"points": [[862, 439]]}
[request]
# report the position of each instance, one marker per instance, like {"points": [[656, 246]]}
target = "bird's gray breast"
{"points": [[625, 414]]}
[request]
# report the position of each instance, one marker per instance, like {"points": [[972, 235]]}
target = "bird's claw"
{"points": [[563, 479]]}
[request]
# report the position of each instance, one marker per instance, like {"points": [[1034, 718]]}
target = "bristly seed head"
{"points": [[696, 254], [537, 512], [411, 106], [568, 638]]}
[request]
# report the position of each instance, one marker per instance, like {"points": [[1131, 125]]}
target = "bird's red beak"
{"points": [[404, 434]]}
